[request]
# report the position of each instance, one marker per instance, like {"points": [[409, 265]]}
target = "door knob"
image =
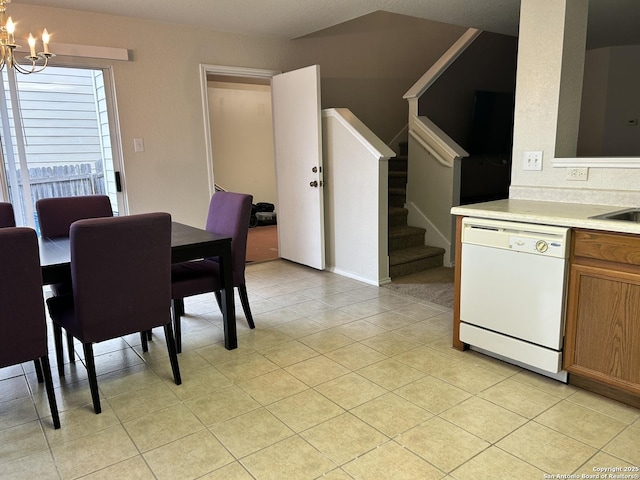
{"points": [[313, 184]]}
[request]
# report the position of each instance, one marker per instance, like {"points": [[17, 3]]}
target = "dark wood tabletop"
{"points": [[187, 243]]}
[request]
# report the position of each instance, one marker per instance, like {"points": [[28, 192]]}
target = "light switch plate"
{"points": [[532, 160], [138, 145]]}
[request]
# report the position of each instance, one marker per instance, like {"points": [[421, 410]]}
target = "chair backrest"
{"points": [[22, 317], [121, 274], [229, 215], [7, 218], [55, 215]]}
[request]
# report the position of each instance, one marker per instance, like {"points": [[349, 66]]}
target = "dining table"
{"points": [[187, 243]]}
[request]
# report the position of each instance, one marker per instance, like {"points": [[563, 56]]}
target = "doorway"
{"points": [[239, 132], [59, 138]]}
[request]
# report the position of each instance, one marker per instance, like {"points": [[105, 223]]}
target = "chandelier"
{"points": [[39, 61]]}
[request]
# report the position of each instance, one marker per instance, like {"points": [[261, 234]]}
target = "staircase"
{"points": [[407, 252]]}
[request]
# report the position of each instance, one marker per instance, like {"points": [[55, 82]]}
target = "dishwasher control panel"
{"points": [[534, 244], [537, 239]]}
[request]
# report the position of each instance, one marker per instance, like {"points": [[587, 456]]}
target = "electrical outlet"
{"points": [[532, 160], [581, 174]]}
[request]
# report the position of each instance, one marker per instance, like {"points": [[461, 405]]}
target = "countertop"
{"points": [[549, 213]]}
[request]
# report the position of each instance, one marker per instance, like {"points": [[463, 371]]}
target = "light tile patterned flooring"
{"points": [[339, 380]]}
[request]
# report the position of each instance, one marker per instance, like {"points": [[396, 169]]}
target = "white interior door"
{"points": [[298, 157]]}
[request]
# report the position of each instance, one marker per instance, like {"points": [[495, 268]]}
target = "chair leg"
{"points": [[72, 351], [218, 296], [177, 305], [143, 338], [93, 379], [36, 363], [173, 356], [244, 300], [48, 382], [57, 337]]}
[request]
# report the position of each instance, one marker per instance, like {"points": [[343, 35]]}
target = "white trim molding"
{"points": [[86, 51], [597, 162], [359, 130], [435, 141]]}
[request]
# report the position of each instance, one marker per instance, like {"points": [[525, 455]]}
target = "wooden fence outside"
{"points": [[65, 180]]}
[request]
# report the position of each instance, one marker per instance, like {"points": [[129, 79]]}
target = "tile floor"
{"points": [[339, 380]]}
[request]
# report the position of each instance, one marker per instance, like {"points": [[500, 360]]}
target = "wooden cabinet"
{"points": [[602, 336]]}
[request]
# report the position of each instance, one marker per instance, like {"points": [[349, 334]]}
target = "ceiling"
{"points": [[612, 22]]}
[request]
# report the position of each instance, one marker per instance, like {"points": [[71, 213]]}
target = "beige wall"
{"points": [[242, 139], [548, 90], [365, 66]]}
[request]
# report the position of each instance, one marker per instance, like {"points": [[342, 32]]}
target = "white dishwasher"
{"points": [[512, 292]]}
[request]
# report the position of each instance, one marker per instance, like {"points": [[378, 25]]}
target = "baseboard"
{"points": [[369, 281]]}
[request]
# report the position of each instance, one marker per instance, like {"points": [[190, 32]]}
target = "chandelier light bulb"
{"points": [[32, 45], [45, 40], [11, 28]]}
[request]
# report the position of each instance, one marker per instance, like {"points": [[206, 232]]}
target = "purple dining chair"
{"points": [[228, 215], [121, 280], [22, 316], [55, 216], [7, 218]]}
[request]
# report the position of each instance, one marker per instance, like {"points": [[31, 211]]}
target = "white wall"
{"points": [[242, 139], [548, 90], [434, 194], [355, 195]]}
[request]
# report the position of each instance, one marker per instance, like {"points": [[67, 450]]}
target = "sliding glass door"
{"points": [[58, 135]]}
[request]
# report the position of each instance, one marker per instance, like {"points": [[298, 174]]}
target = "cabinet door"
{"points": [[603, 326]]}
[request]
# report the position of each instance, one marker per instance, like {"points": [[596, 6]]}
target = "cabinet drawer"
{"points": [[620, 248]]}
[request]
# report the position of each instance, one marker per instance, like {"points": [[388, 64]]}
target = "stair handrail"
{"points": [[426, 146], [440, 145], [442, 64]]}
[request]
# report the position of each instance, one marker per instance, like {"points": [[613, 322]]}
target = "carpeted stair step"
{"points": [[397, 197], [398, 164], [415, 259], [398, 217], [398, 179], [405, 237]]}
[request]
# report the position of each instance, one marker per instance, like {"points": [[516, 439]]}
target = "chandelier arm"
{"points": [[34, 67]]}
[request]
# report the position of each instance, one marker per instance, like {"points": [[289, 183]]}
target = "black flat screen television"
{"points": [[492, 123]]}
